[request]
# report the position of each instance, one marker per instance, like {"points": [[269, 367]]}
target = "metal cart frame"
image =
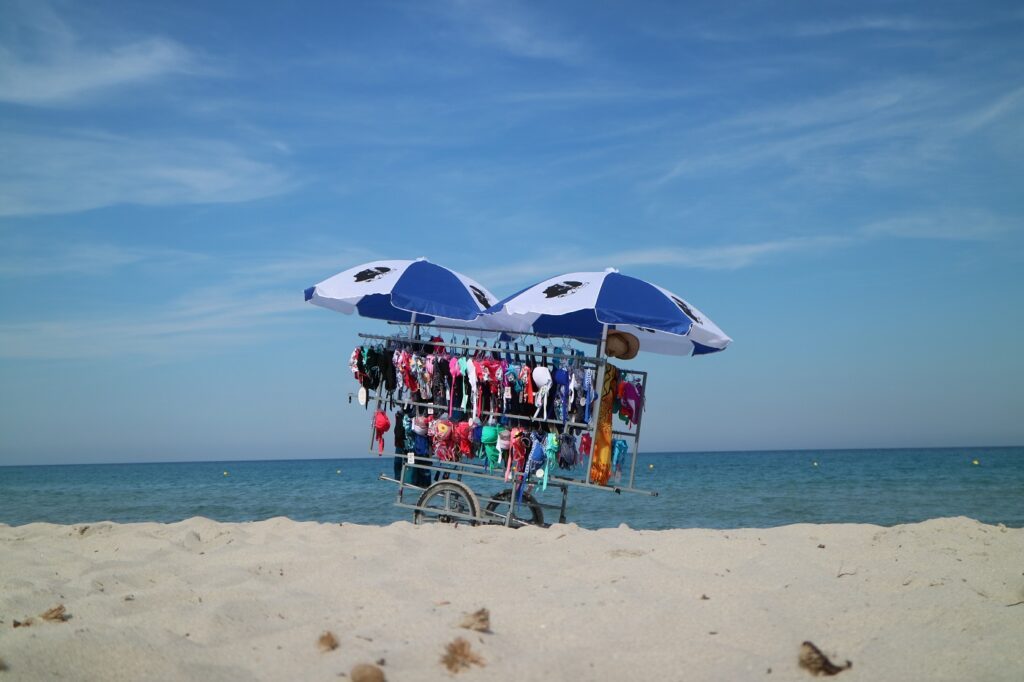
{"points": [[450, 498]]}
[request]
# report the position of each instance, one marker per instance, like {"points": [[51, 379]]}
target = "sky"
{"points": [[839, 186]]}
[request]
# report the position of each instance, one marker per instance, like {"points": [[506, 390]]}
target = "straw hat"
{"points": [[622, 345]]}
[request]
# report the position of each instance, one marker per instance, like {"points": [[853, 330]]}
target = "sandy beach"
{"points": [[939, 600]]}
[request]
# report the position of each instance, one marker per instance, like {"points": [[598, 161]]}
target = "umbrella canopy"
{"points": [[396, 290], [579, 304]]}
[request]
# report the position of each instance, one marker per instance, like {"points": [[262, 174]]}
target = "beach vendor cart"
{"points": [[493, 403]]}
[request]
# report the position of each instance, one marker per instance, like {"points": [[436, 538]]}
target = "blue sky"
{"points": [[840, 187]]}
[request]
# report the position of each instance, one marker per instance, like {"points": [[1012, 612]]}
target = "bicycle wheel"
{"points": [[498, 506], [447, 502]]}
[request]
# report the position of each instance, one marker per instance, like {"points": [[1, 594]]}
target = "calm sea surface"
{"points": [[711, 490]]}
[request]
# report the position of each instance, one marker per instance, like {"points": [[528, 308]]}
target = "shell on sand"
{"points": [[366, 672], [327, 641]]}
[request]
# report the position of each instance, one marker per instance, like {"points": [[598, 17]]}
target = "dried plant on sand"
{"points": [[813, 660], [459, 656], [57, 614], [478, 620]]}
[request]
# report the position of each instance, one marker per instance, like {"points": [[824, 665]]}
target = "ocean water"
{"points": [[707, 490]]}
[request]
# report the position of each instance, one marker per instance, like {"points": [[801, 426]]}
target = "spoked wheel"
{"points": [[447, 502], [498, 506]]}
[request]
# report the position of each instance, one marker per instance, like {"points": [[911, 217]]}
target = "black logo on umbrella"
{"points": [[480, 296], [370, 274], [687, 311], [563, 289]]}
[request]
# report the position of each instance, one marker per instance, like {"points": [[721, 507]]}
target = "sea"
{"points": [[694, 490]]}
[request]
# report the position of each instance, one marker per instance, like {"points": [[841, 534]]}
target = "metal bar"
{"points": [[385, 477], [487, 348], [609, 488], [460, 469], [401, 480], [603, 364], [639, 420], [446, 512], [496, 332], [558, 422]]}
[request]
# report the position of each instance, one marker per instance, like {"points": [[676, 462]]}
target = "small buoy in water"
{"points": [[975, 462], [650, 466], [815, 462], [338, 471], [225, 473]]}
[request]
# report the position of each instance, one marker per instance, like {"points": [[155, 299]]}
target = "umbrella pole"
{"points": [[602, 363], [412, 327]]}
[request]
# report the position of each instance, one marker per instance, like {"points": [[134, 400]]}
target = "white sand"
{"points": [[200, 600]]}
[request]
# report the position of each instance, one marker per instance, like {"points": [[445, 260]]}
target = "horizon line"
{"points": [[382, 457]]}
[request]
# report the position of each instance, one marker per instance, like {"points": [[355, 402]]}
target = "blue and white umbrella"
{"points": [[398, 290], [582, 305]]}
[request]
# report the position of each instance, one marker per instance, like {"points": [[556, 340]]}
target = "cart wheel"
{"points": [[536, 517], [447, 502]]}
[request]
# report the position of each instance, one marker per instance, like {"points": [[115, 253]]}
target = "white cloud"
{"points": [[49, 64], [77, 171]]}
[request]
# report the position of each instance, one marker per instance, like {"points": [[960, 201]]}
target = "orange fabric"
{"points": [[601, 462]]}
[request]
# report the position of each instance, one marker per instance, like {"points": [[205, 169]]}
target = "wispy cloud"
{"points": [[305, 266], [880, 131], [49, 63], [513, 29], [898, 24], [87, 259], [76, 171], [956, 225], [994, 111], [223, 302], [960, 225], [905, 24], [595, 94], [722, 257], [182, 328]]}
